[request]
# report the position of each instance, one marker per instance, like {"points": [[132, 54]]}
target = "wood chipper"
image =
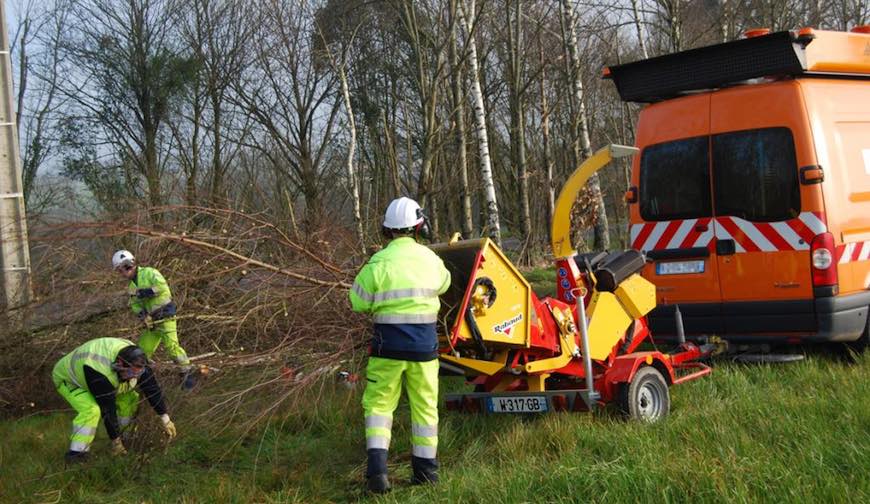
{"points": [[573, 353]]}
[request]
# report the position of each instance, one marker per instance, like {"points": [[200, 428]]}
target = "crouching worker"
{"points": [[399, 287], [98, 379], [151, 301]]}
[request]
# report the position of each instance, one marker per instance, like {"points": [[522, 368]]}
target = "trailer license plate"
{"points": [[679, 267], [519, 404]]}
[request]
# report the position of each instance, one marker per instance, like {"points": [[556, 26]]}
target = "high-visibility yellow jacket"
{"points": [[399, 287], [150, 293], [98, 354]]}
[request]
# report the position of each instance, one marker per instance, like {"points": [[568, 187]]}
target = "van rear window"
{"points": [[675, 180], [755, 175]]}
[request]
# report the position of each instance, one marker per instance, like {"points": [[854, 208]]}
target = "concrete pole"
{"points": [[14, 252]]}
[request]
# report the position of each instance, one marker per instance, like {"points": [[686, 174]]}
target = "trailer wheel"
{"points": [[646, 397]]}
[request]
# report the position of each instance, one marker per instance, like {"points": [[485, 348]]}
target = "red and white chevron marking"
{"points": [[853, 252], [793, 234], [683, 233]]}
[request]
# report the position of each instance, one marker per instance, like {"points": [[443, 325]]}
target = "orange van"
{"points": [[751, 191]]}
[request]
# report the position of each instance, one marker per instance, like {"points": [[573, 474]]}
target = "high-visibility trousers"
{"points": [[381, 396], [87, 419], [166, 332]]}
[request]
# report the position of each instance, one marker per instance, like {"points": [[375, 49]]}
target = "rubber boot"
{"points": [[424, 471], [75, 457], [376, 473]]}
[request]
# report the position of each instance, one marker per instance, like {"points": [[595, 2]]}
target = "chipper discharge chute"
{"points": [[527, 355]]}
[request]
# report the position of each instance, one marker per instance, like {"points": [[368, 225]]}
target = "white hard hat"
{"points": [[403, 213], [122, 257]]}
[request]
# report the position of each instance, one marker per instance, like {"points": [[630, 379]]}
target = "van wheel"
{"points": [[646, 397]]}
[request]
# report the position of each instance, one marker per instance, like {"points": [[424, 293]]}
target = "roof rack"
{"points": [[780, 54]]}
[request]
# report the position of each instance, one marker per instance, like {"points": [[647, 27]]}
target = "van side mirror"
{"points": [[812, 175]]}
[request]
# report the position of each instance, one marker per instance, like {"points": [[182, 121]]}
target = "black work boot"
{"points": [[425, 470], [376, 473], [75, 457]]}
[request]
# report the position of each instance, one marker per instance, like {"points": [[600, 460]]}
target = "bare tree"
{"points": [[340, 68], [37, 44], [637, 19], [468, 18], [582, 143], [427, 66], [846, 14], [545, 139], [128, 71], [217, 34], [457, 79], [293, 100]]}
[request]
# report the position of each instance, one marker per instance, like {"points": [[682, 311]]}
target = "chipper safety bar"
{"points": [[527, 355]]}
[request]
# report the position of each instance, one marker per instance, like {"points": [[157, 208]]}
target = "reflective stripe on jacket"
{"points": [[399, 287], [149, 278], [98, 354]]}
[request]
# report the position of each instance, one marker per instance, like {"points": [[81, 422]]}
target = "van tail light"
{"points": [[824, 261]]}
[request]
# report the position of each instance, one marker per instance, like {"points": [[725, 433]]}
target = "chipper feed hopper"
{"points": [[526, 355]]}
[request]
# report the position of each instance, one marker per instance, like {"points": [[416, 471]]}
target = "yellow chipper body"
{"points": [[572, 352]]}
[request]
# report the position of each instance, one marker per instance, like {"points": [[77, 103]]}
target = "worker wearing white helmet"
{"points": [[400, 288], [151, 301]]}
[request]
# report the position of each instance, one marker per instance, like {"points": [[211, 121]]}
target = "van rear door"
{"points": [[763, 224], [672, 221]]}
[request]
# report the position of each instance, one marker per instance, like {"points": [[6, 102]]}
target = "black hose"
{"points": [[475, 332]]}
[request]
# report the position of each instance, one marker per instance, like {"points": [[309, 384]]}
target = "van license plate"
{"points": [[518, 404], [679, 268]]}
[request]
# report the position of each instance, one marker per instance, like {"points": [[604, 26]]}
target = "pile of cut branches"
{"points": [[265, 310]]}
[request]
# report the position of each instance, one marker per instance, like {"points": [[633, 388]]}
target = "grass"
{"points": [[543, 281], [767, 433], [798, 432]]}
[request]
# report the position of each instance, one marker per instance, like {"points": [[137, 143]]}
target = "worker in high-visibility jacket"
{"points": [[151, 301], [399, 287], [98, 379]]}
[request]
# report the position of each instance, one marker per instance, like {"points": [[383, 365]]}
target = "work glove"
{"points": [[145, 293], [168, 426], [118, 447]]}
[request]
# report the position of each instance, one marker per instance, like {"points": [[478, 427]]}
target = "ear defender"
{"points": [[422, 229]]}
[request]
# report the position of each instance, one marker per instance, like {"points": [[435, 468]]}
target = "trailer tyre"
{"points": [[646, 397]]}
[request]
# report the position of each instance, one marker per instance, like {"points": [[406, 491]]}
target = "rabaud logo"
{"points": [[507, 326]]}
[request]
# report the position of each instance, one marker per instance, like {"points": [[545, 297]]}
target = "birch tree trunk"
{"points": [[492, 223], [548, 156], [582, 144], [459, 118], [352, 177], [638, 25]]}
